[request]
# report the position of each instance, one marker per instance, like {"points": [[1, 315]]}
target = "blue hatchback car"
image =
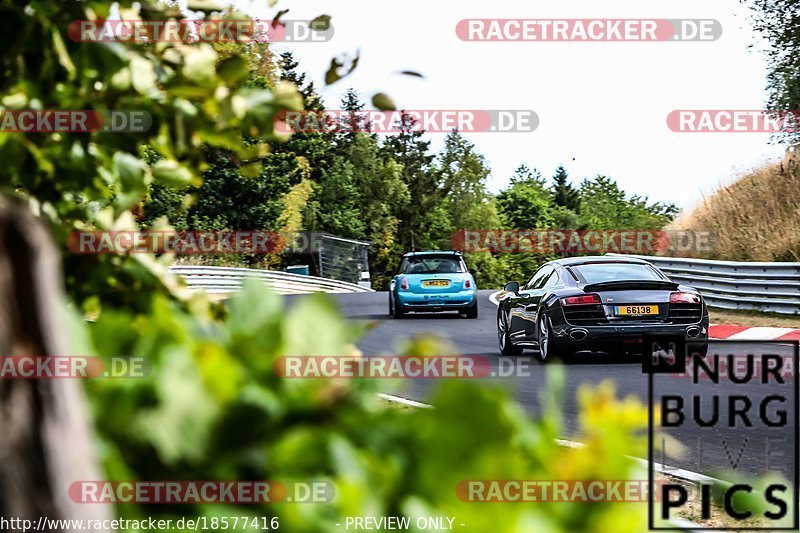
{"points": [[433, 281]]}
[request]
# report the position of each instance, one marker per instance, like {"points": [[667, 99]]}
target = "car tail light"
{"points": [[581, 300], [404, 283], [468, 284], [684, 298]]}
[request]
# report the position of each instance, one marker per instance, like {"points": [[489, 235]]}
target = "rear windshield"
{"points": [[600, 272], [433, 265]]}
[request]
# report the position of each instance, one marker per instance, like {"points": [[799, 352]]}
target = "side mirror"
{"points": [[512, 286], [472, 272]]}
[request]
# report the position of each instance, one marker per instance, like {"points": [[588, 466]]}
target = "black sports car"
{"points": [[597, 303]]}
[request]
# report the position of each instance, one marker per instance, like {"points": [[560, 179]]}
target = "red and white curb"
{"points": [[734, 332]]}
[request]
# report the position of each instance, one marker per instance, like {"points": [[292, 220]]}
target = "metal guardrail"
{"points": [[773, 287], [217, 280]]}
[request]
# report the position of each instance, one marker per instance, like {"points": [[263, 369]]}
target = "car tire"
{"points": [[503, 338], [472, 312], [394, 309], [548, 348]]}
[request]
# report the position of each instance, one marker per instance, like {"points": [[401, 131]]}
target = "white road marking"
{"points": [[493, 298], [404, 401], [760, 333]]}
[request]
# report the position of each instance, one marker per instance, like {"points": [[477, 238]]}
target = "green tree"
{"points": [[564, 194], [304, 155], [337, 200], [195, 95], [383, 194], [359, 192], [288, 72], [526, 203], [463, 173], [423, 220], [777, 22], [229, 201], [604, 205], [351, 119]]}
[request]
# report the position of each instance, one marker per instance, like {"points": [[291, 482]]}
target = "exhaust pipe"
{"points": [[693, 332], [578, 334]]}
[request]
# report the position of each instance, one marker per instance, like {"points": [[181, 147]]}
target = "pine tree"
{"points": [[423, 215], [352, 120], [288, 72], [304, 155], [564, 194], [288, 67]]}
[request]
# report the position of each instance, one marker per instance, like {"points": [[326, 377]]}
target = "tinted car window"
{"points": [[600, 272], [433, 265], [539, 278], [551, 280]]}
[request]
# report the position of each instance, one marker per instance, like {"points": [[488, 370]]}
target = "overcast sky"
{"points": [[603, 106]]}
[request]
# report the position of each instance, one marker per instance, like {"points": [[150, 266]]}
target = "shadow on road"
{"points": [[427, 316]]}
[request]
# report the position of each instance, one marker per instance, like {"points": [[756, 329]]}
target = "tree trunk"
{"points": [[45, 436]]}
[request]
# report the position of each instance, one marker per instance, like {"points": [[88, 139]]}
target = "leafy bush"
{"points": [[212, 407]]}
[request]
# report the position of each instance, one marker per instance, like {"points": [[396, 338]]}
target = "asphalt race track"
{"points": [[754, 450]]}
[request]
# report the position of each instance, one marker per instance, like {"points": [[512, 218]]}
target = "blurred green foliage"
{"points": [[197, 95], [212, 407]]}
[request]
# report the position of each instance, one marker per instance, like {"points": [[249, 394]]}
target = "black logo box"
{"points": [[668, 367]]}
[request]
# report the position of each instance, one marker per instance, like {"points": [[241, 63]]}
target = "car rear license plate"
{"points": [[637, 310], [436, 283]]}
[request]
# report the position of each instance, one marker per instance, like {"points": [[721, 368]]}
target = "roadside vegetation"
{"points": [[211, 407], [755, 218], [391, 190], [753, 318]]}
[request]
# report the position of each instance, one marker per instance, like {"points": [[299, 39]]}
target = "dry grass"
{"points": [[753, 318], [756, 218]]}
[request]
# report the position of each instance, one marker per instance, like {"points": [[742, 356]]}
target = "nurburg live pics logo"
{"points": [[734, 408]]}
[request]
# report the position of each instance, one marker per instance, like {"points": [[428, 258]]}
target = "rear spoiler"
{"points": [[624, 285]]}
